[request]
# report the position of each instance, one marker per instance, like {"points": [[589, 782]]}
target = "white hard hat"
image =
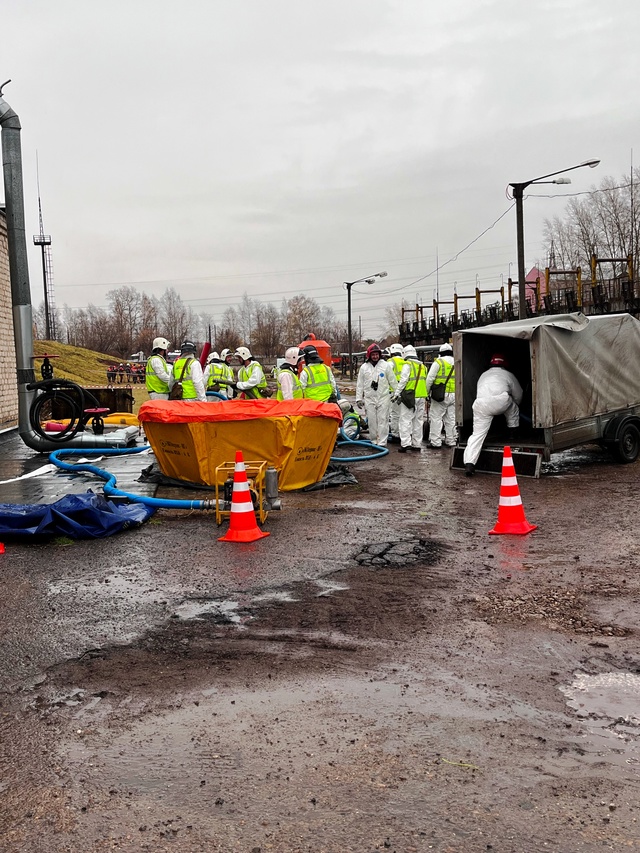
{"points": [[160, 343], [395, 349], [213, 356], [445, 348], [292, 356], [409, 352], [224, 354], [244, 353]]}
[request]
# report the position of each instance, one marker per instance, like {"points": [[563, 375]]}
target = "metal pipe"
{"points": [[21, 297]]}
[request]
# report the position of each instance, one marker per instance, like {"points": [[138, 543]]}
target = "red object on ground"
{"points": [[1, 548], [511, 518], [242, 523]]}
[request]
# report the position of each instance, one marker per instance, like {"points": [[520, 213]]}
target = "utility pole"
{"points": [[44, 241]]}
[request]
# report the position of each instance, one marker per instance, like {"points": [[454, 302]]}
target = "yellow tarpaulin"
{"points": [[190, 439]]}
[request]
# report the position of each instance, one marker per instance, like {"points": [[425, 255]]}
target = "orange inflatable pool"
{"points": [[190, 439]]}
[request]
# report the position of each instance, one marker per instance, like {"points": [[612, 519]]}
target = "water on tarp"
{"points": [[27, 477]]}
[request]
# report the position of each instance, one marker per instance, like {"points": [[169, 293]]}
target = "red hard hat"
{"points": [[373, 348], [498, 360]]}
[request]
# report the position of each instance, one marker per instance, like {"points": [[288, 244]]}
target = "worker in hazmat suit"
{"points": [[396, 360], [498, 393], [214, 375], [157, 371], [251, 382], [376, 380], [187, 371], [229, 377], [441, 382], [411, 395], [289, 387], [317, 379]]}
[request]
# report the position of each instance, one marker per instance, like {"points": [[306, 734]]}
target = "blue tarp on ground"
{"points": [[85, 516]]}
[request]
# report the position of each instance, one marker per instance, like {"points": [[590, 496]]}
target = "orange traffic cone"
{"points": [[242, 523], [511, 517]]}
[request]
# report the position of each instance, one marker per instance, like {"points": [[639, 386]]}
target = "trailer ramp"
{"points": [[526, 463]]}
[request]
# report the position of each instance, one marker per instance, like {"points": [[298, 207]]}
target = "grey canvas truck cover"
{"points": [[578, 374]]}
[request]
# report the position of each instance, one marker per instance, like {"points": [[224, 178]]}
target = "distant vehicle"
{"points": [[137, 357]]}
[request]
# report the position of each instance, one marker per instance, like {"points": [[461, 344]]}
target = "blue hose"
{"points": [[110, 480], [345, 441]]}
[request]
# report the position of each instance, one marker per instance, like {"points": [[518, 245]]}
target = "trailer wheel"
{"points": [[627, 447]]}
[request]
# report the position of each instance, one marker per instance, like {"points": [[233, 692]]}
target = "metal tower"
{"points": [[44, 241]]}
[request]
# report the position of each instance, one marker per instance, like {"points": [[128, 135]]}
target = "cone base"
{"points": [[517, 527], [243, 535]]}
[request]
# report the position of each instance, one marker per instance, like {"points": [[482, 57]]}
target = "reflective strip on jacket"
{"points": [[245, 374], [152, 381], [319, 386], [216, 373], [417, 378], [188, 388], [443, 372], [296, 386], [397, 362]]}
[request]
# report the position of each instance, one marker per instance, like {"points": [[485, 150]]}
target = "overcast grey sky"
{"points": [[288, 146]]}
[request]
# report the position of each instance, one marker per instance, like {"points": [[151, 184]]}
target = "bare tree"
{"points": [[392, 319], [302, 316], [604, 222], [175, 318], [125, 305], [268, 332]]}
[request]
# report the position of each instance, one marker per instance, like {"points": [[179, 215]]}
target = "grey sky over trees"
{"points": [[224, 147]]}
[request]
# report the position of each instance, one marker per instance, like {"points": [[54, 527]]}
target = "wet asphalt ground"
{"points": [[377, 674]]}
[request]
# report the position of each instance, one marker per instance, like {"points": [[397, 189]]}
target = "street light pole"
{"points": [[349, 284], [518, 195]]}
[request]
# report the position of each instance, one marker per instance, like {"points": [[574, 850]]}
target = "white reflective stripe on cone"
{"points": [[509, 481], [515, 501], [242, 506], [241, 487], [240, 466]]}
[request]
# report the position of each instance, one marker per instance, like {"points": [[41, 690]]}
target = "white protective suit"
{"points": [[411, 422], [498, 393], [397, 362], [441, 412], [377, 402]]}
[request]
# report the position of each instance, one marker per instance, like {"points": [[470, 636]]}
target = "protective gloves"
{"points": [[395, 397], [360, 404]]}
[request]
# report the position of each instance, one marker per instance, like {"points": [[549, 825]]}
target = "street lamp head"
{"points": [[590, 163], [561, 181], [381, 274], [369, 280]]}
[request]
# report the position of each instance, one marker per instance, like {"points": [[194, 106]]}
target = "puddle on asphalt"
{"points": [[222, 611], [609, 704], [327, 587], [273, 596]]}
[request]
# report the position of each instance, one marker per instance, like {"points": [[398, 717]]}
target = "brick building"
{"points": [[8, 381]]}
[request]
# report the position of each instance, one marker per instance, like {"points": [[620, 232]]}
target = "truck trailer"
{"points": [[580, 377]]}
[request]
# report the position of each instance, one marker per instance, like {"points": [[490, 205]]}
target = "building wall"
{"points": [[8, 380]]}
